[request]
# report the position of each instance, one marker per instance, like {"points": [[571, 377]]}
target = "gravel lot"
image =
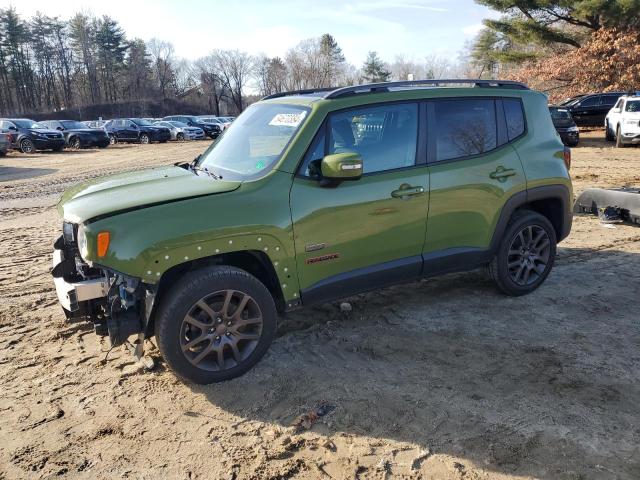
{"points": [[443, 378]]}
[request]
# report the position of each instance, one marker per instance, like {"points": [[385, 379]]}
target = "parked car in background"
{"points": [[622, 123], [136, 130], [590, 110], [182, 131], [216, 121], [95, 123], [5, 143], [565, 126], [211, 130], [30, 136], [78, 135], [569, 100]]}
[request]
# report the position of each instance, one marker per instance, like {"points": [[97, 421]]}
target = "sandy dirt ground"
{"points": [[439, 379]]}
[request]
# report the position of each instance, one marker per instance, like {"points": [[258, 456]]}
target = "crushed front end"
{"points": [[118, 305]]}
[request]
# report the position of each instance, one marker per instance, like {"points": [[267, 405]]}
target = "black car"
{"points": [[136, 130], [565, 126], [590, 110], [78, 135], [28, 136], [211, 130]]}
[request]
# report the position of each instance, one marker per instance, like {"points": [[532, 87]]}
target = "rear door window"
{"points": [[464, 128]]}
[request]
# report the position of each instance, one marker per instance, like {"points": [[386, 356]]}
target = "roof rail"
{"points": [[299, 92], [385, 86]]}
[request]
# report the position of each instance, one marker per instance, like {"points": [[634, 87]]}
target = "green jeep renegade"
{"points": [[309, 197]]}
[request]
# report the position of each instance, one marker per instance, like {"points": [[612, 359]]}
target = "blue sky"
{"points": [[415, 28]]}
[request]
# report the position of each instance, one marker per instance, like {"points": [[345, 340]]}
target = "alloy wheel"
{"points": [[144, 139], [528, 255], [27, 146], [75, 144], [221, 330]]}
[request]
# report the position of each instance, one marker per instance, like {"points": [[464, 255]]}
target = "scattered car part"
{"points": [[622, 202]]}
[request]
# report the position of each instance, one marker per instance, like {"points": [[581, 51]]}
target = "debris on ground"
{"points": [[306, 420]]}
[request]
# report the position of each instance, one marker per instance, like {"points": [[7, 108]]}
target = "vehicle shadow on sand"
{"points": [[545, 384], [21, 173]]}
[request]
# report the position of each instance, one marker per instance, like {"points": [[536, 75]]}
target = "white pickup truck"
{"points": [[622, 123]]}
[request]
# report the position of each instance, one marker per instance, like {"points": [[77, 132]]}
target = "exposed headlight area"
{"points": [[68, 232], [82, 242]]}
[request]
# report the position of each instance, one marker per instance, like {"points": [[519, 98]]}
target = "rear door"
{"points": [[473, 169], [365, 233]]}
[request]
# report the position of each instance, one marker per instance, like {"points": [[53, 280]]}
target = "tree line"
{"points": [[49, 64], [562, 47]]}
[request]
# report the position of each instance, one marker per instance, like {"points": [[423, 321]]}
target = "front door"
{"points": [[474, 170], [362, 234]]}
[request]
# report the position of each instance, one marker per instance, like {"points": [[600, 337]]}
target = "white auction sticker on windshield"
{"points": [[288, 119]]}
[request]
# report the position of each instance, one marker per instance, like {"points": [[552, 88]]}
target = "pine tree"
{"points": [[374, 69]]}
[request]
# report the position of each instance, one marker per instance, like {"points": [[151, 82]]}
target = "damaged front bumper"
{"points": [[118, 305], [72, 293]]}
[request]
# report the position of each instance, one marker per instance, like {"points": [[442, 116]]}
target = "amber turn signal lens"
{"points": [[103, 243]]}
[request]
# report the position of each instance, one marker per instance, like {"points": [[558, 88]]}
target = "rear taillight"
{"points": [[567, 157]]}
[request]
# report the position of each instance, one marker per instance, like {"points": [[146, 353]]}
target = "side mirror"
{"points": [[60, 128], [13, 128], [341, 166], [134, 126]]}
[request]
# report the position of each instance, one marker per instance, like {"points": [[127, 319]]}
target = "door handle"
{"points": [[405, 191], [501, 174]]}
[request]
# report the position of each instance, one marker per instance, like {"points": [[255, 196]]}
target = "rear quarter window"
{"points": [[514, 117]]}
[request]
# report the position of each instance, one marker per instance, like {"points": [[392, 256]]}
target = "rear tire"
{"points": [[144, 139], [27, 146], [112, 140], [525, 255], [201, 334], [74, 143], [180, 137]]}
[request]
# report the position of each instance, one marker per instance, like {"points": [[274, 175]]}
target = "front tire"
{"points": [[607, 133], [619, 142], [74, 143], [215, 324], [525, 255], [112, 140], [27, 146], [144, 139], [180, 137]]}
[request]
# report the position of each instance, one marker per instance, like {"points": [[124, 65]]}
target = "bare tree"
{"points": [[235, 68], [162, 58], [208, 70]]}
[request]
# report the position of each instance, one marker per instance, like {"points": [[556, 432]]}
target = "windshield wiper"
{"points": [[195, 169]]}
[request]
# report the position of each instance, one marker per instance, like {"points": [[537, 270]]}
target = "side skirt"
{"points": [[391, 273]]}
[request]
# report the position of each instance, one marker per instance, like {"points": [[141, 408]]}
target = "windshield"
{"points": [[72, 124], [255, 143], [141, 121], [178, 124], [28, 124], [632, 106]]}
